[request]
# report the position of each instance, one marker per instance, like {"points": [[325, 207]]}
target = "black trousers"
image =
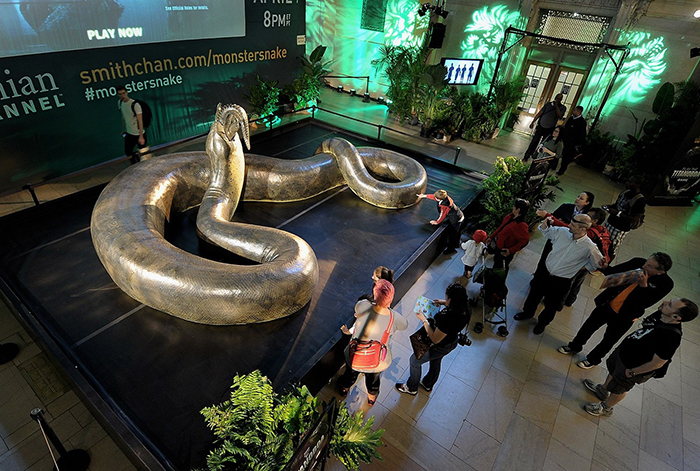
{"points": [[454, 231], [576, 284], [131, 141], [499, 261], [553, 289], [540, 133], [567, 157], [348, 378], [617, 326]]}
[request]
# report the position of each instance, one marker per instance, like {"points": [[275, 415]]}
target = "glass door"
{"points": [[544, 82]]}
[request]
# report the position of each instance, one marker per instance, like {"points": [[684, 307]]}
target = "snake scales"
{"points": [[129, 217]]}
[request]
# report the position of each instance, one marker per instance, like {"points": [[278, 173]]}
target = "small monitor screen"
{"points": [[462, 71]]}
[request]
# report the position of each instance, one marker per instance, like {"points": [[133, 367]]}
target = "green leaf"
{"points": [[664, 98]]}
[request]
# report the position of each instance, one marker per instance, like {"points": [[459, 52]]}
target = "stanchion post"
{"points": [[8, 351], [30, 189], [74, 460], [458, 150], [379, 132]]}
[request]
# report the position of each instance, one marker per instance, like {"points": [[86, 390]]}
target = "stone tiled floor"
{"points": [[501, 404]]}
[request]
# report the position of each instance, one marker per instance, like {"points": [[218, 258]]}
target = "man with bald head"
{"points": [[548, 116], [571, 251]]}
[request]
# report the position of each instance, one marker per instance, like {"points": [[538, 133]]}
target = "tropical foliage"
{"points": [[257, 429], [676, 107], [263, 96], [504, 185], [305, 90]]}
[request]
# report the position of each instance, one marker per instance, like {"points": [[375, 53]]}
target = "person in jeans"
{"points": [[372, 320], [448, 323], [619, 306], [643, 355]]}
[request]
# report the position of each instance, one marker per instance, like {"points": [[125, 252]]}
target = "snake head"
{"points": [[233, 119]]}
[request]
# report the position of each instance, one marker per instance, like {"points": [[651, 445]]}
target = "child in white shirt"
{"points": [[472, 251]]}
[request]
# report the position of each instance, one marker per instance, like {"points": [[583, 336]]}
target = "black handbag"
{"points": [[421, 343]]}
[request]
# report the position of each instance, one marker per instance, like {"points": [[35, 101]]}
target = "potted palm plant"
{"points": [[305, 90]]}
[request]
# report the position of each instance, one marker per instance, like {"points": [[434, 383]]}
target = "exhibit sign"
{"points": [[314, 448], [682, 184], [536, 176], [58, 110]]}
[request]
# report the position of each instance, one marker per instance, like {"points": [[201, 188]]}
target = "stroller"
{"points": [[493, 292]]}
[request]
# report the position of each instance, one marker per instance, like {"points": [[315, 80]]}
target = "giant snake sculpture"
{"points": [[129, 218]]}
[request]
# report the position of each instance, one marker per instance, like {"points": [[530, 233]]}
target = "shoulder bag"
{"points": [[368, 354]]}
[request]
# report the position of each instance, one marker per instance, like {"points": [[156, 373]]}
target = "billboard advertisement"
{"points": [[58, 101]]}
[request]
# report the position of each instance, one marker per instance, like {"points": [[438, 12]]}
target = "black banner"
{"points": [[314, 448], [58, 111], [536, 176]]}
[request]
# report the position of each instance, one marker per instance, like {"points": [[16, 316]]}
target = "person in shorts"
{"points": [[644, 354]]}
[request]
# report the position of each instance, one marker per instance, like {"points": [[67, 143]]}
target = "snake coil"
{"points": [[129, 218]]}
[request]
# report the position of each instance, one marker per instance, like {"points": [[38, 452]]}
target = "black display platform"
{"points": [[157, 372]]}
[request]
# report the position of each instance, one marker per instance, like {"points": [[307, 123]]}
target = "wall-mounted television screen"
{"points": [[462, 71]]}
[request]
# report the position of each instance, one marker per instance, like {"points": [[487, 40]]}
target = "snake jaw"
{"points": [[233, 119]]}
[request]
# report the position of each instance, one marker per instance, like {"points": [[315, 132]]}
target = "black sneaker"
{"points": [[425, 387], [538, 329], [449, 251], [585, 364], [566, 350], [402, 388], [522, 315]]}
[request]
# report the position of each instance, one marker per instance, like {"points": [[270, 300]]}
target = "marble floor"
{"points": [[509, 403]]}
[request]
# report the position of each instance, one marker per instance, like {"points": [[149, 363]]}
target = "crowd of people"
{"points": [[580, 239]]}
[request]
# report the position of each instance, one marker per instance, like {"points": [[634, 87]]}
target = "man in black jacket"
{"points": [[619, 306], [574, 138]]}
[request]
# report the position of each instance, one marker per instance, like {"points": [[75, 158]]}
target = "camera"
{"points": [[463, 339]]}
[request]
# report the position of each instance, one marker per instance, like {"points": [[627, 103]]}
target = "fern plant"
{"points": [[263, 96], [257, 429]]}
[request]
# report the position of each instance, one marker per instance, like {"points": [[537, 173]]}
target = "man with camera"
{"points": [[548, 117], [571, 251]]}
